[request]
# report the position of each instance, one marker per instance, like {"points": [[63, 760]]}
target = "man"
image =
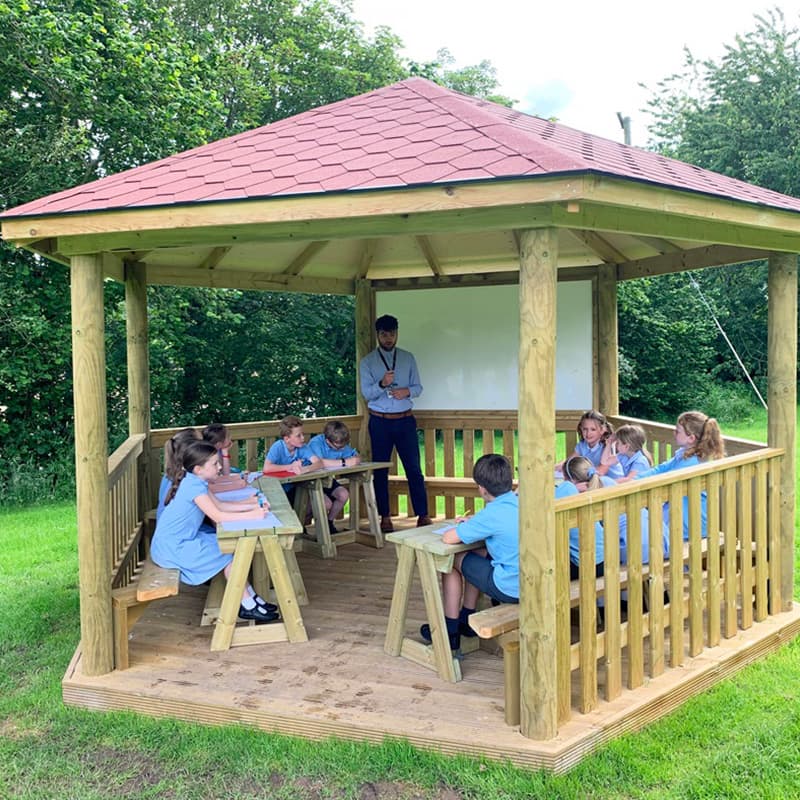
{"points": [[389, 381]]}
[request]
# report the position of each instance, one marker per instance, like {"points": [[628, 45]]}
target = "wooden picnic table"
{"points": [[278, 564], [311, 486], [425, 549]]}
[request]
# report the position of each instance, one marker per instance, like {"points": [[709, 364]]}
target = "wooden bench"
{"points": [[150, 582], [502, 622]]}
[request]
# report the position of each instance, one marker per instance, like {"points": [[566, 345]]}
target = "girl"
{"points": [[173, 462], [217, 434], [580, 475], [625, 454], [699, 439], [180, 542], [593, 433]]}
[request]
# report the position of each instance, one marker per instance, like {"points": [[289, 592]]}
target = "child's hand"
{"points": [[296, 467]]}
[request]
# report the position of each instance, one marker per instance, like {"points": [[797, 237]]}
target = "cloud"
{"points": [[547, 99]]}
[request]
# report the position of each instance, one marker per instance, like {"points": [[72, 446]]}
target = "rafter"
{"points": [[600, 246], [300, 261], [214, 257], [712, 256], [430, 254]]}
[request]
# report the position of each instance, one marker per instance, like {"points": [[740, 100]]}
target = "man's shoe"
{"points": [[386, 525], [259, 614], [424, 519], [332, 527]]}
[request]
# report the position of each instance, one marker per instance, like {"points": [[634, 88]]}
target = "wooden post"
{"points": [[607, 340], [138, 369], [537, 435], [365, 341], [91, 464], [782, 399]]}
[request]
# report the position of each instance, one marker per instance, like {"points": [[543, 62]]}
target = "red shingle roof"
{"points": [[408, 134]]}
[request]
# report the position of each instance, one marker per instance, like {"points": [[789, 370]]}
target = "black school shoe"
{"points": [[260, 601], [259, 614], [455, 638]]}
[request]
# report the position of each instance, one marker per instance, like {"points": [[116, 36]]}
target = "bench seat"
{"points": [[150, 582]]}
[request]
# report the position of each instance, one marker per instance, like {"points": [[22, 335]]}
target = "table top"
{"points": [[425, 539], [328, 473], [279, 506]]}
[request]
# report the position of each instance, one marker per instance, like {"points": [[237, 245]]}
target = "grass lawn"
{"points": [[739, 740]]}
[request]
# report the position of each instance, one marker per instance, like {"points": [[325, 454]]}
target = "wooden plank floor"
{"points": [[341, 683]]}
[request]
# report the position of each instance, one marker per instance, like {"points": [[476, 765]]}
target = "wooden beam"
{"points": [[782, 401], [161, 275], [212, 260], [537, 357], [426, 247], [600, 246], [680, 260], [91, 464], [365, 340], [367, 256], [607, 341], [229, 234], [299, 262]]}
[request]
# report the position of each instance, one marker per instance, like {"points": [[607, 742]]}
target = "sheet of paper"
{"points": [[440, 531], [268, 522], [234, 495]]}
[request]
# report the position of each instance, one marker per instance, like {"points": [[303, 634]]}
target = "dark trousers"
{"points": [[387, 434]]}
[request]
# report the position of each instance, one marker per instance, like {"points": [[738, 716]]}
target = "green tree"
{"points": [[740, 116]]}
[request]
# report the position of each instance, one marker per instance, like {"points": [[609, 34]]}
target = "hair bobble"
{"points": [[590, 472]]}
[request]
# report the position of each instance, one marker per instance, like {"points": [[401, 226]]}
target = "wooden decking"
{"points": [[340, 683]]}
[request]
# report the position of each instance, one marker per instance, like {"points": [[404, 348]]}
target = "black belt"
{"points": [[399, 415]]}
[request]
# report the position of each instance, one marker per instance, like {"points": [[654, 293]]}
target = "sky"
{"points": [[578, 61]]}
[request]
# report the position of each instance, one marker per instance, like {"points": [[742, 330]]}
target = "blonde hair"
{"points": [[578, 469], [708, 443], [635, 437]]}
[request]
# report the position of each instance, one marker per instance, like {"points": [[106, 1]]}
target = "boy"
{"points": [[494, 569], [290, 454], [332, 446]]}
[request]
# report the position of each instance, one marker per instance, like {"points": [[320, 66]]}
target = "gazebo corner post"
{"points": [[607, 340], [782, 400], [537, 357], [365, 303], [91, 463], [138, 369]]}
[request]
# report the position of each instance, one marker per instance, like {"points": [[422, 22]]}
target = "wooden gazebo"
{"points": [[415, 186]]}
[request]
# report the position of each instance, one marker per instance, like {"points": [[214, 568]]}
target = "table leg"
{"points": [[232, 599], [372, 509], [395, 630], [327, 546], [213, 600], [261, 577], [296, 576], [447, 667], [284, 589]]}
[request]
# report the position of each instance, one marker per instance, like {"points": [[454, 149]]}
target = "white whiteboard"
{"points": [[466, 343]]}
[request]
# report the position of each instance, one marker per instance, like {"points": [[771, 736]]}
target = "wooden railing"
{"points": [[125, 513], [715, 585]]}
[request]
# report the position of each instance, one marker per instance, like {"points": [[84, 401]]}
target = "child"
{"points": [[625, 454], [217, 434], [580, 475], [173, 462], [493, 569], [593, 433], [290, 454], [180, 542], [332, 446], [699, 439]]}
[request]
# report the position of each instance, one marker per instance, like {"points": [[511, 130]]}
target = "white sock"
{"points": [[248, 603]]}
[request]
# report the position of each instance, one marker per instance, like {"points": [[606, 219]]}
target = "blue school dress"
{"points": [[626, 464], [678, 461], [594, 454], [180, 542], [568, 489]]}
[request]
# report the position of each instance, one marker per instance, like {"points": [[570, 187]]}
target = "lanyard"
{"points": [[385, 363]]}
